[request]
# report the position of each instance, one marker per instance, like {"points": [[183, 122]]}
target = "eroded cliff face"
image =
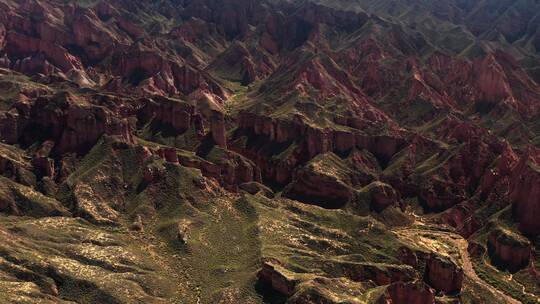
{"points": [[509, 251], [408, 293], [524, 194], [286, 151], [70, 122]]}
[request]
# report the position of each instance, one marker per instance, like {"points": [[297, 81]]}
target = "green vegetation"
{"points": [[389, 92], [500, 281], [25, 200]]}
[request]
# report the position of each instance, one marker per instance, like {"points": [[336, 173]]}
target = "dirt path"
{"points": [[468, 269], [461, 245]]}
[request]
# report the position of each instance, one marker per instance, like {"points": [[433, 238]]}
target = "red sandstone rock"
{"points": [[58, 56], [410, 293], [169, 154], [207, 168], [188, 80], [441, 195], [269, 44], [525, 194], [311, 142], [105, 10], [10, 128], [217, 128], [91, 35], [169, 113], [461, 217], [443, 275], [509, 250], [317, 184], [408, 257], [138, 65], [243, 65], [157, 75], [132, 29], [72, 123], [85, 125], [382, 196], [498, 176], [44, 165], [67, 42], [273, 275], [491, 81], [2, 36], [385, 275]]}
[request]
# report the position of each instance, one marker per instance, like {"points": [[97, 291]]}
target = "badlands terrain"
{"points": [[269, 151]]}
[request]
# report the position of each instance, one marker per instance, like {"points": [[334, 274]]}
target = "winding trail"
{"points": [[461, 245], [469, 271]]}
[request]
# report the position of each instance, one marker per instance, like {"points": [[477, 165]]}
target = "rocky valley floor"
{"points": [[243, 151]]}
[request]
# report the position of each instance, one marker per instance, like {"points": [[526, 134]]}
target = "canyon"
{"points": [[275, 151]]}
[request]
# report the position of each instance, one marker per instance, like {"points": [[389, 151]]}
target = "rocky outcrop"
{"points": [[439, 195], [168, 154], [379, 274], [321, 190], [491, 83], [277, 278], [139, 65], [499, 176], [202, 109], [325, 180], [132, 29], [27, 47], [458, 175], [255, 187], [93, 37], [382, 196], [71, 122], [183, 228], [462, 218], [217, 128], [208, 169], [237, 170], [10, 129], [84, 130], [194, 30], [237, 63], [411, 257], [173, 116], [525, 194], [228, 168], [443, 275], [44, 166], [509, 250], [302, 143], [189, 80], [14, 165], [407, 292], [154, 74]]}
